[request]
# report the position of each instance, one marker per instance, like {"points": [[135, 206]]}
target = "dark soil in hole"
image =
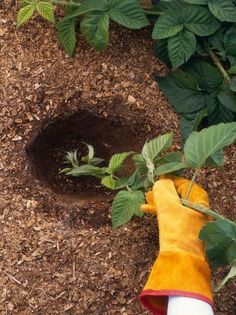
{"points": [[107, 136]]}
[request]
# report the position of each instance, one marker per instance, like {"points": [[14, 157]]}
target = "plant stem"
{"points": [[191, 184], [205, 211], [150, 12], [218, 63]]}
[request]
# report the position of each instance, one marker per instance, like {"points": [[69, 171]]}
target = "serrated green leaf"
{"points": [[199, 20], [170, 168], [140, 163], [201, 145], [231, 274], [135, 181], [88, 170], [182, 92], [95, 28], [46, 10], [116, 161], [207, 76], [224, 10], [66, 35], [125, 205], [109, 182], [127, 13], [166, 26], [227, 97], [181, 47], [220, 238], [25, 13], [153, 148]]}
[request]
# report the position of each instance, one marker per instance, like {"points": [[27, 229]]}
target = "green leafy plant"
{"points": [[199, 36], [204, 148]]}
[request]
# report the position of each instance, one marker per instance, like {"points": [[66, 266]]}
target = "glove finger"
{"points": [[149, 207], [163, 191]]}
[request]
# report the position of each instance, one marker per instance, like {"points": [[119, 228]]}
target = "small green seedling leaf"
{"points": [[170, 168], [116, 161], [109, 182], [201, 145], [86, 169], [25, 14], [220, 238], [90, 151], [46, 10], [231, 274], [125, 205]]}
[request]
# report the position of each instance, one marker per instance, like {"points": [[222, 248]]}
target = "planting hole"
{"points": [[107, 136]]}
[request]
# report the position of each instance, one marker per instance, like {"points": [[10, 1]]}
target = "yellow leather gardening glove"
{"points": [[181, 268]]}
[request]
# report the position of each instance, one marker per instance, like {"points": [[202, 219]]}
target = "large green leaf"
{"points": [[153, 148], [46, 10], [181, 47], [207, 76], [220, 238], [66, 35], [224, 10], [170, 168], [166, 26], [199, 20], [95, 29], [181, 90], [25, 14], [127, 13], [125, 205], [116, 161], [227, 97], [231, 274], [201, 145]]}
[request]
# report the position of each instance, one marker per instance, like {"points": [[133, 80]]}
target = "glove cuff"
{"points": [[176, 274]]}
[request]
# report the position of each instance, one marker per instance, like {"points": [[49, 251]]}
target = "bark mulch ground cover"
{"points": [[58, 252]]}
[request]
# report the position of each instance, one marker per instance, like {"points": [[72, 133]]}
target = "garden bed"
{"points": [[57, 243]]}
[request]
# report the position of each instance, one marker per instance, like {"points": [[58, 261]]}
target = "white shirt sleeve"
{"points": [[181, 305]]}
